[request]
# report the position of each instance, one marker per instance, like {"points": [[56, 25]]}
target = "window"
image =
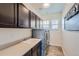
{"points": [[54, 24], [47, 24]]}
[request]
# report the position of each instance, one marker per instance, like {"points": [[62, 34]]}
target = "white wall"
{"points": [[56, 35], [10, 35], [70, 38], [55, 38]]}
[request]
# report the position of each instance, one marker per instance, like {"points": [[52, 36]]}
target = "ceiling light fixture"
{"points": [[46, 5]]}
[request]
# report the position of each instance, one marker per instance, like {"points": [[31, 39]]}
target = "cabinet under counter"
{"points": [[21, 48]]}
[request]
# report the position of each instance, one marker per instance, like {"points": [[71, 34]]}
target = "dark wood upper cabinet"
{"points": [[33, 20], [16, 15], [38, 23], [41, 24], [8, 15], [23, 16]]}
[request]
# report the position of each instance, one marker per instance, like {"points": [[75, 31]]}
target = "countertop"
{"points": [[20, 48]]}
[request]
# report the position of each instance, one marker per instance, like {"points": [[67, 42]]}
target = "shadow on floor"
{"points": [[55, 51]]}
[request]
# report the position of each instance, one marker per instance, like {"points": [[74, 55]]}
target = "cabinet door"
{"points": [[7, 15], [41, 24], [36, 50], [35, 21], [38, 22], [29, 53], [32, 20], [23, 19]]}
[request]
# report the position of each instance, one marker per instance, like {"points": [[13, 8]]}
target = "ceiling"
{"points": [[48, 13]]}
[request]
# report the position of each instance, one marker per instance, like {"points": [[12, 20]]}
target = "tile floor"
{"points": [[55, 51]]}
